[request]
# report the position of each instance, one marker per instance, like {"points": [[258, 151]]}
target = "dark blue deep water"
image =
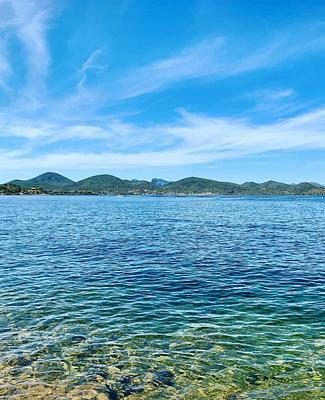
{"points": [[161, 297]]}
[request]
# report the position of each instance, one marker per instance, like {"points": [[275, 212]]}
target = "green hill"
{"points": [[195, 185], [304, 187], [101, 184], [273, 187], [204, 186], [54, 183], [109, 184], [250, 185], [46, 181]]}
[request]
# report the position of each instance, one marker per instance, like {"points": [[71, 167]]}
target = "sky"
{"points": [[228, 90]]}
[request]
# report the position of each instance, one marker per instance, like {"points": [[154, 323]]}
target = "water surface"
{"points": [[161, 297]]}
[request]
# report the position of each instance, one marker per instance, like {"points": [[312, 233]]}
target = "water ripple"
{"points": [[161, 298]]}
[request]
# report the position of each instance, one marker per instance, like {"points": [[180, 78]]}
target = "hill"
{"points": [[53, 183], [273, 188], [159, 182], [109, 184], [195, 185], [101, 184], [46, 181]]}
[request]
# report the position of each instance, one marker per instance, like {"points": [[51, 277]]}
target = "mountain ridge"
{"points": [[54, 183]]}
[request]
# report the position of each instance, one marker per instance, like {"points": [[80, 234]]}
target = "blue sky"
{"points": [[229, 90]]}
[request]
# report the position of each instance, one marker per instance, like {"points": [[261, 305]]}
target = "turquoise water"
{"points": [[161, 297]]}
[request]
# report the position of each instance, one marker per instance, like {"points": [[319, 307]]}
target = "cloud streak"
{"points": [[91, 64], [193, 139], [5, 68], [219, 58], [28, 21], [193, 62], [46, 126]]}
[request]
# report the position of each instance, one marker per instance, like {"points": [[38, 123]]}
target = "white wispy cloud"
{"points": [[91, 64], [221, 58], [213, 58], [29, 21], [217, 58], [5, 68], [193, 139], [271, 94], [279, 101], [192, 62]]}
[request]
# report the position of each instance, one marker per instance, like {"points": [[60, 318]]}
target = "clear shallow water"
{"points": [[161, 298]]}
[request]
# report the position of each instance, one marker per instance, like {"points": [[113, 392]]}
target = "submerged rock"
{"points": [[97, 374], [133, 390], [254, 378], [91, 391], [164, 377], [77, 338], [111, 393], [20, 361], [232, 396], [51, 370], [127, 386]]}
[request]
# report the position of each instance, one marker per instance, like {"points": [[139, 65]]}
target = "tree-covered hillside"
{"points": [[53, 183], [9, 189]]}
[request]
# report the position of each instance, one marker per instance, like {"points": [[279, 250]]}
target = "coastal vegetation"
{"points": [[53, 183], [10, 189]]}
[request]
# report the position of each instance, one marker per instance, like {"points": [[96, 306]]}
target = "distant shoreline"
{"points": [[51, 183], [261, 195]]}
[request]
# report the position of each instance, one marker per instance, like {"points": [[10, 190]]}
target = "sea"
{"points": [[149, 297]]}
